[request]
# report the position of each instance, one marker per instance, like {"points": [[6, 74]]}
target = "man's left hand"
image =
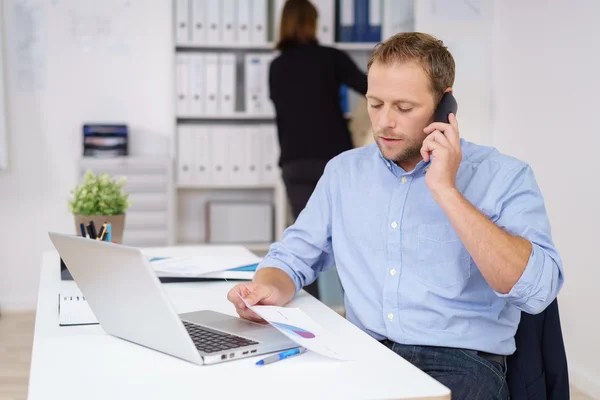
{"points": [[442, 146]]}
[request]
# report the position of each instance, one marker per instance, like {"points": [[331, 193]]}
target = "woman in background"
{"points": [[304, 84]]}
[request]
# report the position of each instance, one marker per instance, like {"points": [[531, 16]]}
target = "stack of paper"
{"points": [[241, 267]]}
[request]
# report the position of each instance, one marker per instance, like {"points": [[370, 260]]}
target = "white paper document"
{"points": [[302, 329], [197, 266]]}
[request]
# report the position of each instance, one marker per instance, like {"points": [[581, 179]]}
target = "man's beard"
{"points": [[412, 151]]}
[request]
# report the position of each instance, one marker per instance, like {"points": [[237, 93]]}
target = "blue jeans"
{"points": [[466, 374]]}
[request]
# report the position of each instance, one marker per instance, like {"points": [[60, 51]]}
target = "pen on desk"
{"points": [[101, 233], [281, 356], [93, 234], [82, 228]]}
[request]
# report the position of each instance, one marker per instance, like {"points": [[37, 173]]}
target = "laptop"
{"points": [[129, 302]]}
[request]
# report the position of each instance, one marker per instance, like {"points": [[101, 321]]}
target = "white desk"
{"points": [[83, 362]]}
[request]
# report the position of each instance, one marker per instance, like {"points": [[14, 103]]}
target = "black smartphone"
{"points": [[446, 106]]}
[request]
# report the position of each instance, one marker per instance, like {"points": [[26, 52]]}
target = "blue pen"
{"points": [[281, 356]]}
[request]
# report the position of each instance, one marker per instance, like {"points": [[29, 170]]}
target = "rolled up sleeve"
{"points": [[523, 214], [305, 247]]}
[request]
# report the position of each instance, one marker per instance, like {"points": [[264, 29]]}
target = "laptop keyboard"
{"points": [[212, 342]]}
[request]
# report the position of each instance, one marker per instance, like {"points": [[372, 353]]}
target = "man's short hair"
{"points": [[426, 50]]}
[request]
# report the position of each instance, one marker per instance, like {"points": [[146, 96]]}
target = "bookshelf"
{"points": [[228, 46]]}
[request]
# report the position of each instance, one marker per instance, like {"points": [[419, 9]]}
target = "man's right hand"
{"points": [[254, 294]]}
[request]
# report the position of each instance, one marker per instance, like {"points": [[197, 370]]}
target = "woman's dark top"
{"points": [[304, 84]]}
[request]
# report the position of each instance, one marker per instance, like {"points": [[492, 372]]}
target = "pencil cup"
{"points": [[117, 224]]}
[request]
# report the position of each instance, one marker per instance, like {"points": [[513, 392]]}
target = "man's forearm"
{"points": [[279, 279], [500, 256]]}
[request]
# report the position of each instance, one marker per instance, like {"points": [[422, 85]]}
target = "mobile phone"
{"points": [[446, 106]]}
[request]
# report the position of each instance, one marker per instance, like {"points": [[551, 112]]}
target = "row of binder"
{"points": [[246, 22], [372, 21], [221, 21], [227, 155], [207, 84]]}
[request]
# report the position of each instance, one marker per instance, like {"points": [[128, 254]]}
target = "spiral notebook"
{"points": [[74, 310]]}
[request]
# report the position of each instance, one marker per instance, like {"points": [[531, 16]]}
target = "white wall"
{"points": [[112, 80], [546, 63]]}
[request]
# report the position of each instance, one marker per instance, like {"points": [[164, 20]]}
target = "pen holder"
{"points": [[117, 224]]}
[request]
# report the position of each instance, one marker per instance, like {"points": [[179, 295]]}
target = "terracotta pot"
{"points": [[117, 224]]}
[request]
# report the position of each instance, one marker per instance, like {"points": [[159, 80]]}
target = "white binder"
{"points": [[234, 136], [259, 21], [220, 154], [182, 21], [252, 154], [326, 20], [243, 22], [213, 14], [198, 83], [182, 83], [211, 70], [203, 153], [270, 154], [253, 82], [199, 21], [227, 83], [398, 16], [185, 155], [228, 21], [277, 11]]}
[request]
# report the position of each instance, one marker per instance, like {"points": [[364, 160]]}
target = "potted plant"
{"points": [[101, 199]]}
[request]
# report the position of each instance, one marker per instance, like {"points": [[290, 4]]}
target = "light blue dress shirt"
{"points": [[406, 275]]}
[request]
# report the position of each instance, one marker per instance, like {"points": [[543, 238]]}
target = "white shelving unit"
{"points": [[195, 36]]}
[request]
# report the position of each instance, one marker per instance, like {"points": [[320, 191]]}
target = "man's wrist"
{"points": [[446, 195]]}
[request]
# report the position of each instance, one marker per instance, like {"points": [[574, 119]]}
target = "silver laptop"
{"points": [[126, 297]]}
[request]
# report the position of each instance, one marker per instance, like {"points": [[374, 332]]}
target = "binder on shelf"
{"points": [[203, 152], [182, 21], [227, 83], [228, 21], [243, 24], [277, 12], [269, 154], [398, 16], [186, 155], [211, 70], [198, 84], [199, 21], [361, 20], [346, 21], [258, 21], [221, 162], [253, 82], [326, 20], [182, 77], [250, 154], [374, 28], [213, 15]]}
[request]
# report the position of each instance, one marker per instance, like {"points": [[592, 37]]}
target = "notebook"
{"points": [[74, 310]]}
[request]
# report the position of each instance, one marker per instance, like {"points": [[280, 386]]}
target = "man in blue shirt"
{"points": [[439, 243]]}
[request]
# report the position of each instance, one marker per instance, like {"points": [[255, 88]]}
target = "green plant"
{"points": [[99, 195]]}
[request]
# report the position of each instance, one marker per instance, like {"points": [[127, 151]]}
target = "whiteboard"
{"points": [[3, 125]]}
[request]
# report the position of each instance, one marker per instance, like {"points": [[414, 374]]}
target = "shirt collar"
{"points": [[398, 171]]}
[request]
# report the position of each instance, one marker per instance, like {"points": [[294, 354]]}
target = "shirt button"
{"points": [[393, 272], [389, 165], [394, 224], [403, 179], [390, 316]]}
